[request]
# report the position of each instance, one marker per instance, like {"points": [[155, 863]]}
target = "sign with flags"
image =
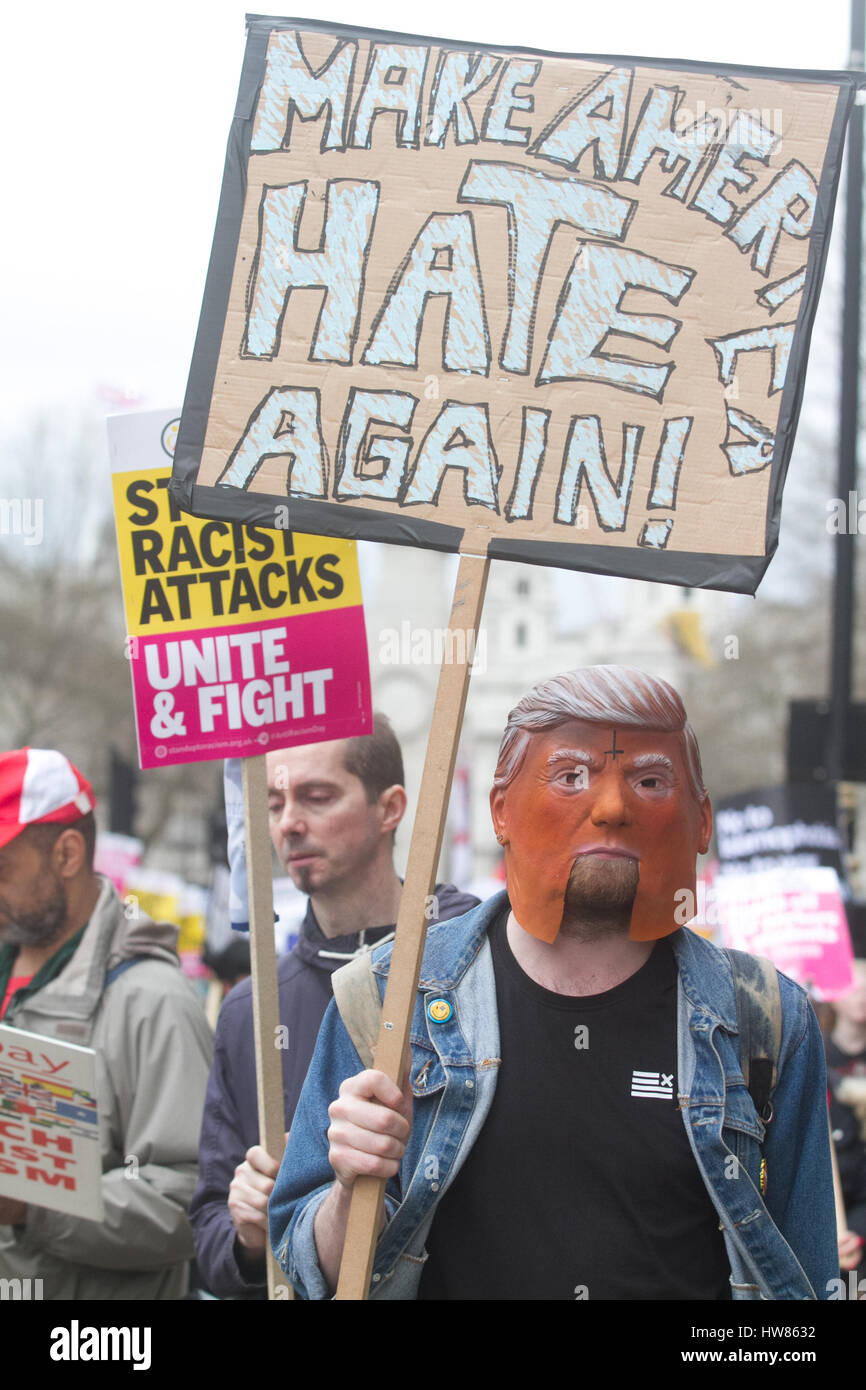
{"points": [[50, 1152]]}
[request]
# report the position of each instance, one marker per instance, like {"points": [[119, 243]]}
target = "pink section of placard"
{"points": [[802, 928], [235, 692]]}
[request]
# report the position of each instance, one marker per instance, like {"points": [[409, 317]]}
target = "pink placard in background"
{"points": [[795, 917]]}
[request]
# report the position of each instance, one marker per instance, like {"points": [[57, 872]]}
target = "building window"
{"points": [[520, 635], [522, 588]]}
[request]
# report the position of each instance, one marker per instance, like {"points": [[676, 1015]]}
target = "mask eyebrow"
{"points": [[573, 755], [652, 760]]}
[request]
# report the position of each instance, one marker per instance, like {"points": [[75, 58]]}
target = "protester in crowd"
{"points": [[231, 964], [78, 965], [846, 1065], [846, 1046], [334, 811], [573, 1123]]}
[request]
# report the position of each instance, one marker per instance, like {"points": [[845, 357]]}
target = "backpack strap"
{"points": [[116, 970], [759, 1021], [357, 996]]}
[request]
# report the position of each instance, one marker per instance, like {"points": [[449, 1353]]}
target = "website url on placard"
{"points": [[769, 1358], [162, 750]]}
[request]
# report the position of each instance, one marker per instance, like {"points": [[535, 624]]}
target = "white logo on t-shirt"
{"points": [[653, 1083]]}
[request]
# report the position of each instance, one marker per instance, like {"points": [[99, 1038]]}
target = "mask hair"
{"points": [[612, 695]]}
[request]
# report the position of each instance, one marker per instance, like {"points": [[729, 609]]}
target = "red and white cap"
{"points": [[38, 786]]}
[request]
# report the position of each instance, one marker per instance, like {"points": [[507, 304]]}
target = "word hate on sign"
{"points": [[461, 296]]}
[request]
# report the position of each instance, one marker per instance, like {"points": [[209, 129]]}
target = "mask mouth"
{"points": [[601, 882], [607, 852]]}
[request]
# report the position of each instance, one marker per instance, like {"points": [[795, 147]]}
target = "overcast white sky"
{"points": [[114, 131]]}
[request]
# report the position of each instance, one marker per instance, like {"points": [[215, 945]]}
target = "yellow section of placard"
{"points": [[181, 572]]}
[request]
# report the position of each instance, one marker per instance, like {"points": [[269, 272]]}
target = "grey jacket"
{"points": [[153, 1052]]}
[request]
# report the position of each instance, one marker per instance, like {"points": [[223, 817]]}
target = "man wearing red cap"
{"points": [[76, 966], [574, 1123]]}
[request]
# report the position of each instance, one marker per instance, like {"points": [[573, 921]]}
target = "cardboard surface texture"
{"points": [[522, 305]]}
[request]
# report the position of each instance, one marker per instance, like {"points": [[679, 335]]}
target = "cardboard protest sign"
{"points": [[517, 304], [796, 917], [240, 638], [49, 1124]]}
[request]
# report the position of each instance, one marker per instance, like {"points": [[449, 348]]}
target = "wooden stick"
{"points": [[263, 962], [368, 1193], [841, 1218]]}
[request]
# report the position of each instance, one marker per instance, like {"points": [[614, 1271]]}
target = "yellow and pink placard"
{"points": [[240, 638]]}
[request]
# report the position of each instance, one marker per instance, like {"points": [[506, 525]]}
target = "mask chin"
{"points": [[658, 898], [538, 898]]}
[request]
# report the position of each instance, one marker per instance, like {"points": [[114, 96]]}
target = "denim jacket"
{"points": [[781, 1246]]}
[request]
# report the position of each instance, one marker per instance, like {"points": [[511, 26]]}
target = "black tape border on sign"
{"points": [[738, 574]]}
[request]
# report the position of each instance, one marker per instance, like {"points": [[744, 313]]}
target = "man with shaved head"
{"points": [[575, 1122]]}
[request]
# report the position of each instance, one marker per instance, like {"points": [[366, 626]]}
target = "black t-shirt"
{"points": [[582, 1183], [841, 1063]]}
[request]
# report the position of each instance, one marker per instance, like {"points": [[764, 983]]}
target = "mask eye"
{"points": [[652, 785], [575, 778]]}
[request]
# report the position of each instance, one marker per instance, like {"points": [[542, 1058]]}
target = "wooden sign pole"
{"points": [[368, 1193], [263, 961], [841, 1217]]}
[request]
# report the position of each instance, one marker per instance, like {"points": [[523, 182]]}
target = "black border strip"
{"points": [[795, 379], [691, 569], [256, 22]]}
